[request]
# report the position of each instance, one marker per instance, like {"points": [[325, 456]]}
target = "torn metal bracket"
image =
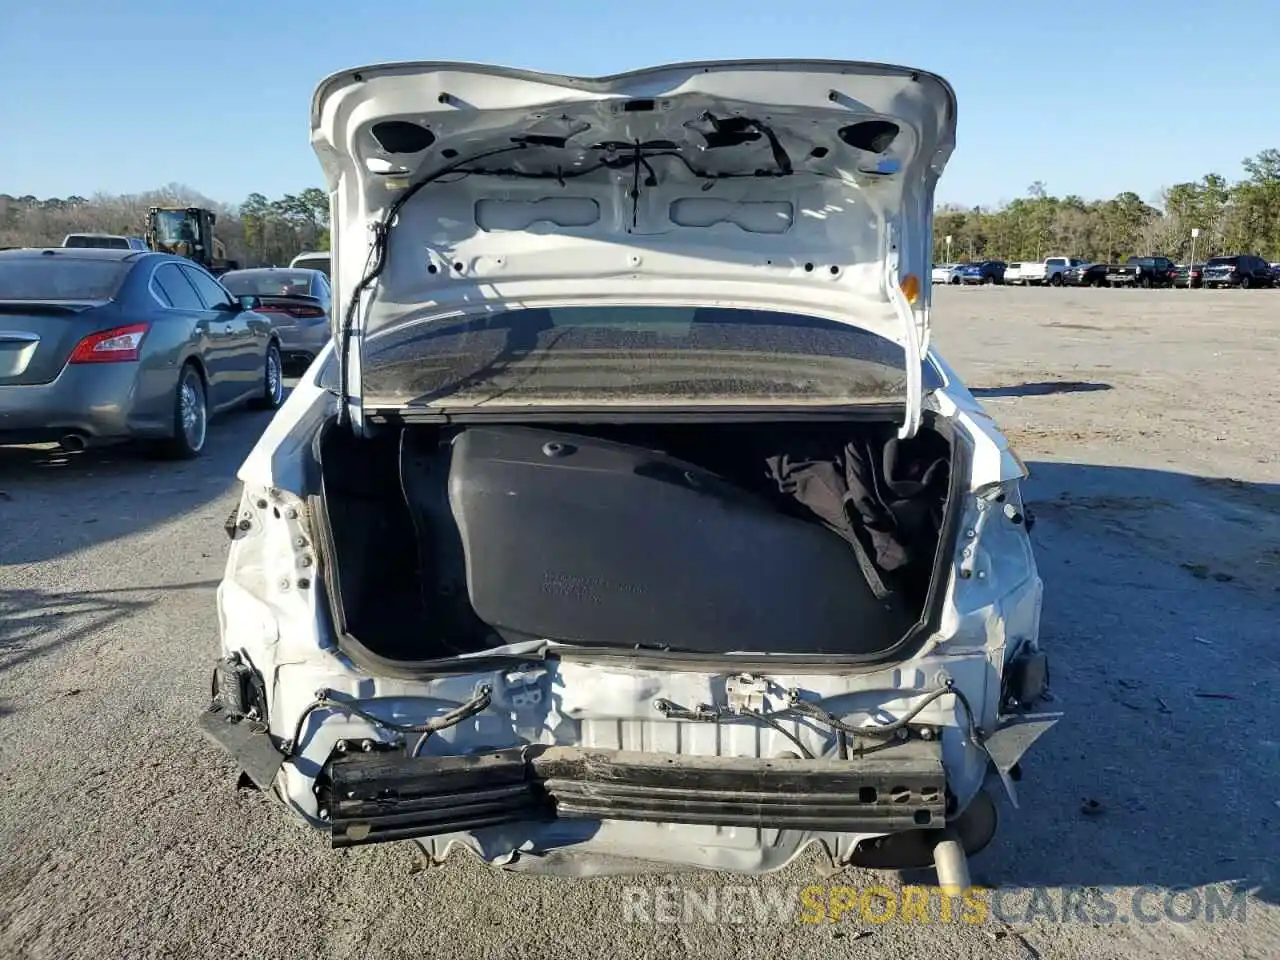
{"points": [[745, 692], [1010, 742], [249, 743]]}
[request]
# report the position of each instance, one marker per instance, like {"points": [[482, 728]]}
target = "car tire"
{"points": [[272, 381], [1246, 283], [190, 418], [955, 281], [988, 281], [1055, 280], [1146, 283]]}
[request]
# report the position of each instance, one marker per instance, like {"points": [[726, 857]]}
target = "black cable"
{"points": [[476, 704], [888, 730], [780, 157], [378, 258], [635, 187], [454, 717], [764, 718]]}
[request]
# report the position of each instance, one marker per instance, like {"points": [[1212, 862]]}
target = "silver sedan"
{"points": [[298, 301], [108, 345]]}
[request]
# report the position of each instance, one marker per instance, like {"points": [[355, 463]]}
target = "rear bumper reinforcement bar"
{"points": [[372, 798]]}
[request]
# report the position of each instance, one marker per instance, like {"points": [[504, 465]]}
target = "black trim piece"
{"points": [[248, 742], [373, 798]]}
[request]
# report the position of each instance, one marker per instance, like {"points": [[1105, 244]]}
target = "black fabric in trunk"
{"points": [[884, 496]]}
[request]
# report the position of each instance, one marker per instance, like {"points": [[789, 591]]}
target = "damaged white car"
{"points": [[629, 520]]}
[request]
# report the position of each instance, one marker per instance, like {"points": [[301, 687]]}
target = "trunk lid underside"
{"points": [[785, 186]]}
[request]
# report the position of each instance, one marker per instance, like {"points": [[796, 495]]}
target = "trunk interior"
{"points": [[778, 537]]}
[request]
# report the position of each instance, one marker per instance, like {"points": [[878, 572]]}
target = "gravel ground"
{"points": [[1148, 420]]}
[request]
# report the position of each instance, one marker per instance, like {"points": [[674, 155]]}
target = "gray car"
{"points": [[297, 300], [104, 345]]}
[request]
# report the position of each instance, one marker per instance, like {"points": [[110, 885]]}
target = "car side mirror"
{"points": [[248, 302]]}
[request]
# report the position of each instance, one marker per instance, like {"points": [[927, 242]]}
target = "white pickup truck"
{"points": [[1049, 273]]}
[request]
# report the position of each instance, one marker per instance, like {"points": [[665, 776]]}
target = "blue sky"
{"points": [[1090, 99]]}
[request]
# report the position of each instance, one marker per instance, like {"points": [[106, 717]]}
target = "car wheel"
{"points": [[272, 381], [190, 418], [1146, 283], [955, 281], [1056, 280], [988, 280], [1246, 283]]}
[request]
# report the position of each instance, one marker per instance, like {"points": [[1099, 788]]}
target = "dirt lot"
{"points": [[1148, 419]]}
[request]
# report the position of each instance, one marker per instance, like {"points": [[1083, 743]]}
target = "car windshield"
{"points": [[314, 263], [1221, 262], [633, 355], [268, 283], [108, 243], [60, 278], [176, 226]]}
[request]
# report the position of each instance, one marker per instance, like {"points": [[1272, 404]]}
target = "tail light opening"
{"points": [[117, 345]]}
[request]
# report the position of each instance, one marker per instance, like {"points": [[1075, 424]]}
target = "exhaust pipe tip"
{"points": [[72, 443], [951, 865]]}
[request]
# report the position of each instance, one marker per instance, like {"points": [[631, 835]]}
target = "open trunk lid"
{"points": [[801, 187]]}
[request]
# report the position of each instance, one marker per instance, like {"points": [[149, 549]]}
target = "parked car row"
{"points": [[109, 343], [977, 272], [1243, 271]]}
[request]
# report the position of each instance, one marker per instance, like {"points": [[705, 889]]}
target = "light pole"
{"points": [[1195, 232], [947, 241]]}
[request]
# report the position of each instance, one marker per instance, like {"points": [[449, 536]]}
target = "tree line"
{"points": [[258, 232], [1241, 216], [1232, 217]]}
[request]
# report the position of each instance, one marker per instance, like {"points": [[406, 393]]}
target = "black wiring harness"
{"points": [[811, 711], [637, 155], [377, 262], [325, 701]]}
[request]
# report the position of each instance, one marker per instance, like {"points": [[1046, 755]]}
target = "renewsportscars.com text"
{"points": [[814, 904]]}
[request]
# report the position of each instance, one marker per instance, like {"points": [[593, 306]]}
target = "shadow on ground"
{"points": [[1040, 388], [1162, 598], [35, 622], [53, 502]]}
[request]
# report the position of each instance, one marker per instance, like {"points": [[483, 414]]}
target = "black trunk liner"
{"points": [[577, 538]]}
